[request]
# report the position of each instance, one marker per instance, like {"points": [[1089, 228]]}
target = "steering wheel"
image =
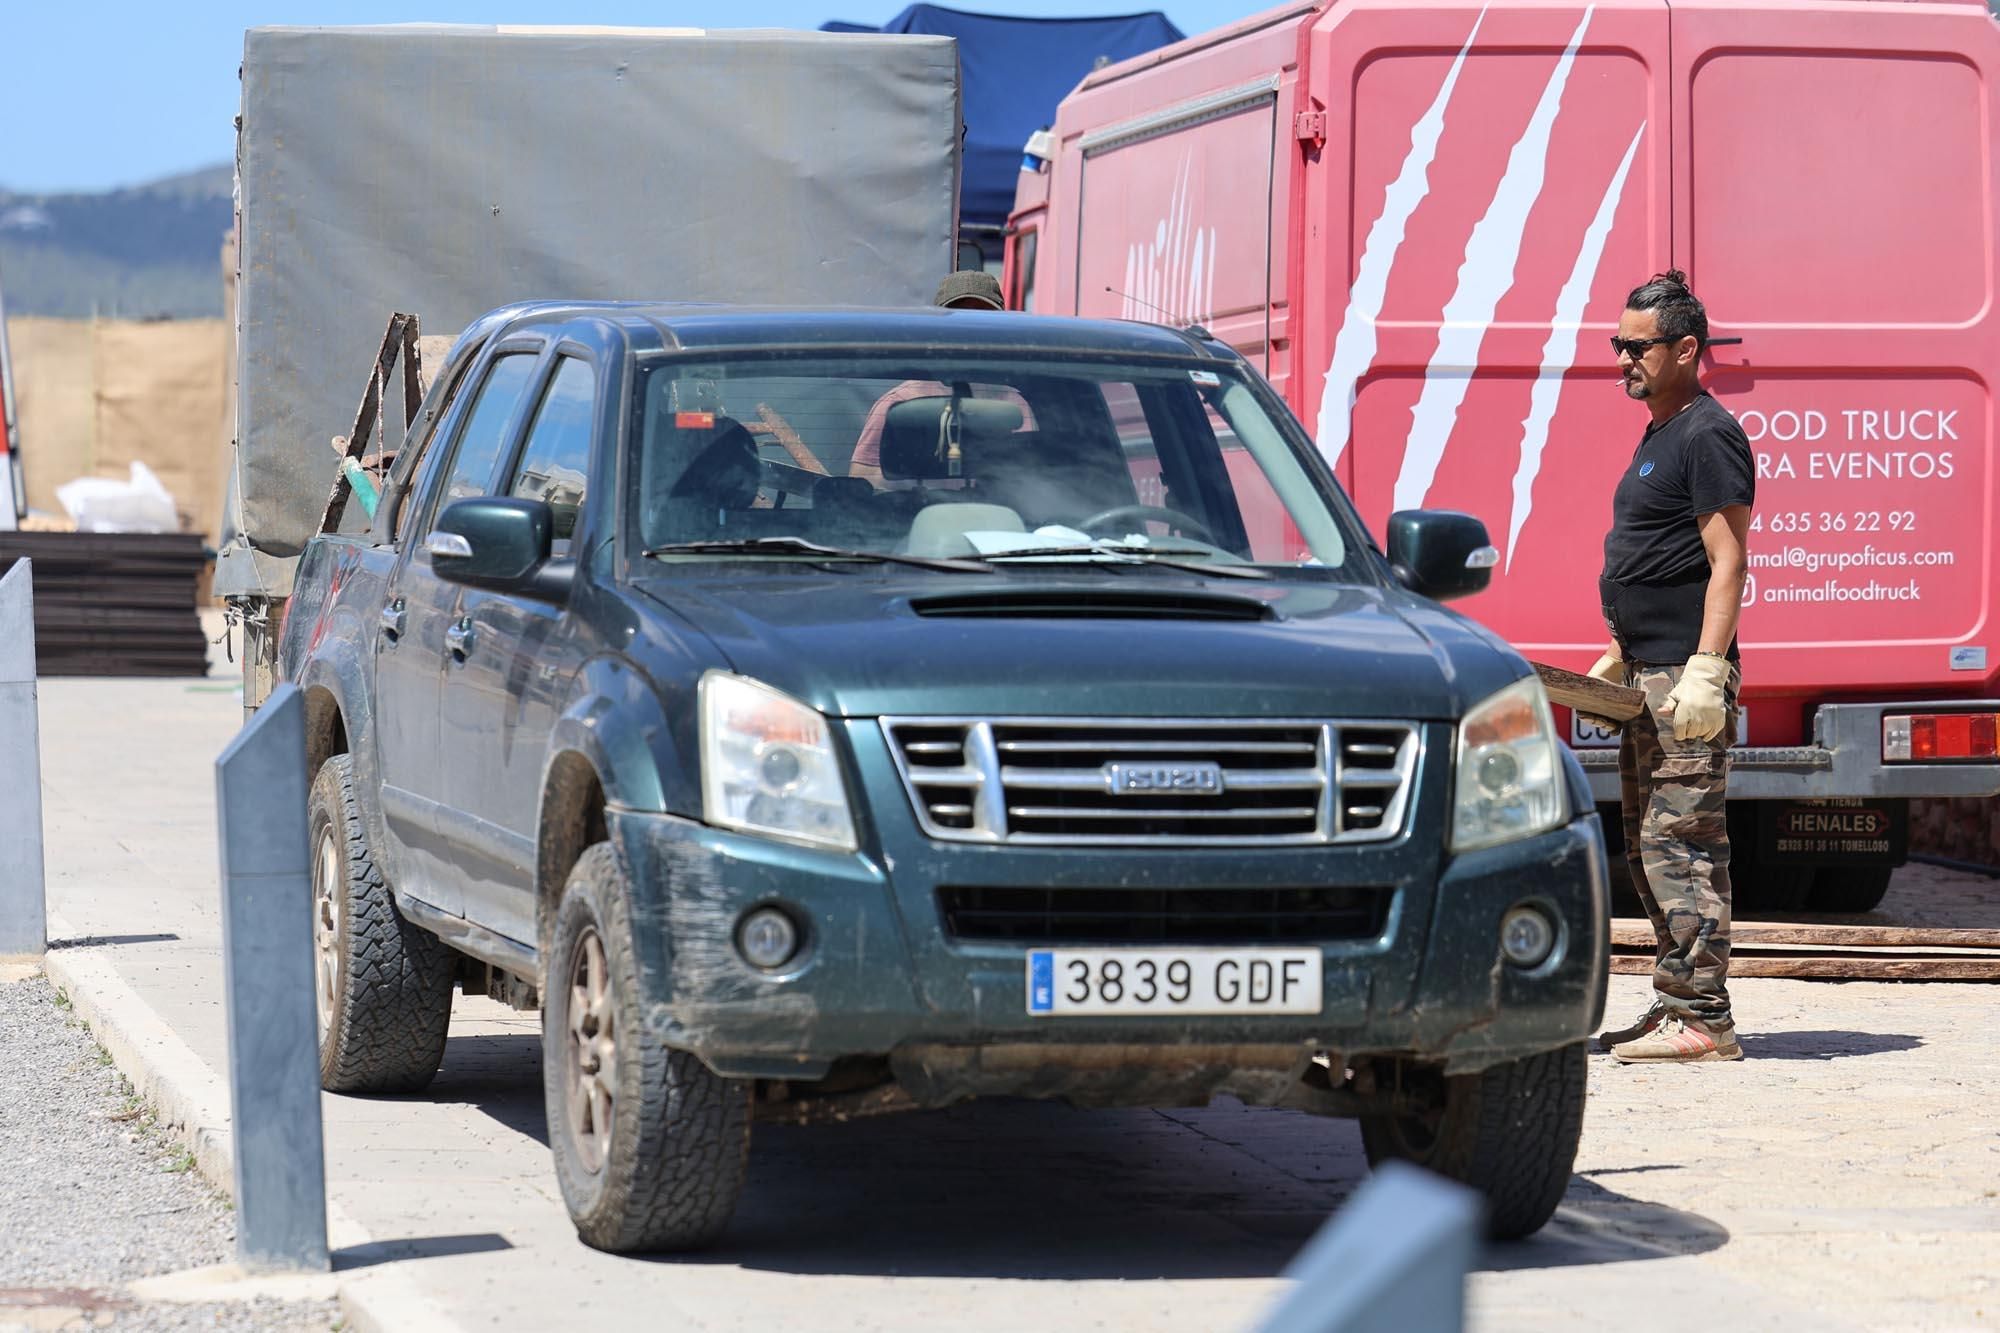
{"points": [[1186, 524]]}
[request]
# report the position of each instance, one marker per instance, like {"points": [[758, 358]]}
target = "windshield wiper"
{"points": [[800, 546], [1142, 555]]}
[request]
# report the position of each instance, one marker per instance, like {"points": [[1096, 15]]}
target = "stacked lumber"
{"points": [[114, 603]]}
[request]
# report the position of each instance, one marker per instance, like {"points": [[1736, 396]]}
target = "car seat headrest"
{"points": [[912, 433], [725, 474]]}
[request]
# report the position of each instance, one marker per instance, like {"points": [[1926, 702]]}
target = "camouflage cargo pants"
{"points": [[1677, 844]]}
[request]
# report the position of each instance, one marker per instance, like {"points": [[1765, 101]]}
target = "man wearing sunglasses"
{"points": [[1672, 587]]}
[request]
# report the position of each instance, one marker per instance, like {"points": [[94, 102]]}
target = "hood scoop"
{"points": [[1092, 604]]}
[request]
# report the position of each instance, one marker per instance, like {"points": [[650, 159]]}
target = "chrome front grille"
{"points": [[1197, 782]]}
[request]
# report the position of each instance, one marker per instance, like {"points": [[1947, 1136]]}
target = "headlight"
{"points": [[1508, 783], [768, 766]]}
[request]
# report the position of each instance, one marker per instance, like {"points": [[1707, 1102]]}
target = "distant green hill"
{"points": [[148, 252]]}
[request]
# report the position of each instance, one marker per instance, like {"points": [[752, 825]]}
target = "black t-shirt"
{"points": [[1656, 570]]}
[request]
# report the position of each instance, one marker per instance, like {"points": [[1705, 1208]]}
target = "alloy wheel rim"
{"points": [[327, 905], [591, 1052]]}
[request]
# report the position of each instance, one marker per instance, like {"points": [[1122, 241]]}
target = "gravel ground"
{"points": [[91, 1197]]}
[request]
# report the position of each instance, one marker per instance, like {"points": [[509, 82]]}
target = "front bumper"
{"points": [[1843, 761], [877, 973]]}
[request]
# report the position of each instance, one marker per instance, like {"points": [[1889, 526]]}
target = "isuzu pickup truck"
{"points": [[831, 712]]}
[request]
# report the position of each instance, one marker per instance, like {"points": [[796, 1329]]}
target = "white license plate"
{"points": [[1587, 734], [1173, 981]]}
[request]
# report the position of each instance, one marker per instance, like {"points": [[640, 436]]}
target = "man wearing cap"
{"points": [[1672, 589], [968, 289]]}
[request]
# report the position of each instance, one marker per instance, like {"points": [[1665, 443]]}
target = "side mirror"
{"points": [[1440, 553], [501, 545]]}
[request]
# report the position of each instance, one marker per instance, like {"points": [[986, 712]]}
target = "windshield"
{"points": [[1001, 460]]}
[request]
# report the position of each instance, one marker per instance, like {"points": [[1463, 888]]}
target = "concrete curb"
{"points": [[193, 1105]]}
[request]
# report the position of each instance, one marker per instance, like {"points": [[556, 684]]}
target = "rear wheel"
{"points": [[1759, 886], [1850, 888], [1509, 1132], [383, 985], [650, 1144], [1767, 889]]}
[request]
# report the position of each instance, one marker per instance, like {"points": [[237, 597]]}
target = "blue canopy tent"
{"points": [[1016, 70]]}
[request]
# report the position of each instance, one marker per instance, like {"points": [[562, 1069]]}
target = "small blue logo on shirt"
{"points": [[1646, 468]]}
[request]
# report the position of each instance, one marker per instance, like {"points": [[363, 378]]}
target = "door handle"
{"points": [[392, 621], [459, 639]]}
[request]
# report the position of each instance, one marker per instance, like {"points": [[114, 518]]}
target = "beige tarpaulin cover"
{"points": [[574, 164], [95, 395]]}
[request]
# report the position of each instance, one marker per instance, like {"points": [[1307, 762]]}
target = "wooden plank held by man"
{"points": [[1587, 694]]}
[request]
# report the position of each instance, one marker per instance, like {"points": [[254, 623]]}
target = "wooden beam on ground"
{"points": [[1632, 933], [1840, 969], [1587, 694]]}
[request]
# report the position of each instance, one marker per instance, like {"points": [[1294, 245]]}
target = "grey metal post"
{"points": [[24, 927], [267, 968], [1394, 1260]]}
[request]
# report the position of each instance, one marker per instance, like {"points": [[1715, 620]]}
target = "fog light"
{"points": [[767, 938], [1526, 936]]}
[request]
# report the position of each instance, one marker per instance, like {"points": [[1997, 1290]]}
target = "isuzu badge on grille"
{"points": [[1141, 779]]}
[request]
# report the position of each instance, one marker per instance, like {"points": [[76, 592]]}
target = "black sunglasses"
{"points": [[1635, 347]]}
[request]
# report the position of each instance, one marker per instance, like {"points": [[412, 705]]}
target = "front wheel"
{"points": [[650, 1144], [1509, 1132]]}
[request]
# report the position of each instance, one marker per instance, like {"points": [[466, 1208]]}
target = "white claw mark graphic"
{"points": [[1559, 352], [1354, 349], [1171, 279], [1486, 275]]}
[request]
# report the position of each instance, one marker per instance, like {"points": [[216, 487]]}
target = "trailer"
{"points": [[448, 170]]}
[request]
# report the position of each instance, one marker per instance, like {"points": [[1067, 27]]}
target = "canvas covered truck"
{"points": [[441, 171], [1420, 222]]}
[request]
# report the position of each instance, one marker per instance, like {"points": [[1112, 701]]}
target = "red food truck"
{"points": [[13, 492], [1420, 221]]}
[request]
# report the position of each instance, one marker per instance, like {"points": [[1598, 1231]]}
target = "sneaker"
{"points": [[1647, 1021], [1684, 1041]]}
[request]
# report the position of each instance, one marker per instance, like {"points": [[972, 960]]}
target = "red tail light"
{"points": [[1920, 737]]}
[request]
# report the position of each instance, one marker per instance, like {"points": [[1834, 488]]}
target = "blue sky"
{"points": [[97, 95]]}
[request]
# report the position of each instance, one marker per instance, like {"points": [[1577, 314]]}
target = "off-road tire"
{"points": [[1772, 890], [672, 1162], [1850, 888], [391, 986], [1509, 1132], [1759, 887]]}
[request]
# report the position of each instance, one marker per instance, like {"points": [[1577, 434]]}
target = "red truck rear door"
{"points": [[1835, 207], [1175, 192], [1503, 182]]}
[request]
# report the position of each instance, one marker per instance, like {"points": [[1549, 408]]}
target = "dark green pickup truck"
{"points": [[829, 712]]}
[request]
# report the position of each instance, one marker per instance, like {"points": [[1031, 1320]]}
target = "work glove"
{"points": [[1696, 703], [1610, 669]]}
